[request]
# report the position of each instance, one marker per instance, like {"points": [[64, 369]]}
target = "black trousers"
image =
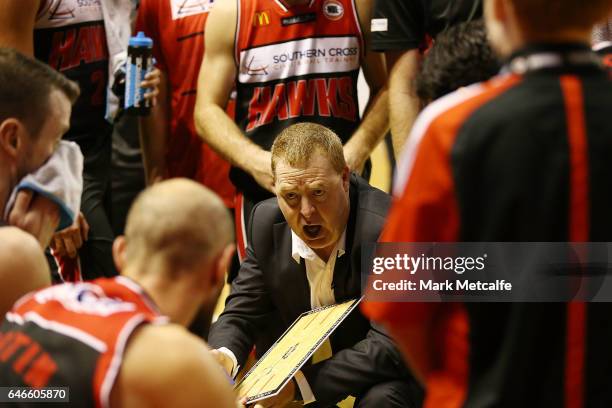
{"points": [[96, 253], [392, 394]]}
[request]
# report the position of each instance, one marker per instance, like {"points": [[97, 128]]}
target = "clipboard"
{"points": [[292, 350]]}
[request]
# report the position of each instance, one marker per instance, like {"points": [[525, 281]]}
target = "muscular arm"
{"points": [[17, 24], [403, 67], [183, 375], [154, 134], [215, 83], [375, 122]]}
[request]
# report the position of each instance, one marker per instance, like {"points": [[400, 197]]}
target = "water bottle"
{"points": [[139, 64]]}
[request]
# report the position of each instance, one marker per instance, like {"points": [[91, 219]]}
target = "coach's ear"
{"points": [[119, 252]]}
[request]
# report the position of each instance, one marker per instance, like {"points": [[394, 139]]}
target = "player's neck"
{"points": [[564, 37], [174, 299]]}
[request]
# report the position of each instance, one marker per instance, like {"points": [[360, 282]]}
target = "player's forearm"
{"points": [[403, 101], [154, 131], [221, 133], [154, 134], [373, 127], [17, 25], [403, 111]]}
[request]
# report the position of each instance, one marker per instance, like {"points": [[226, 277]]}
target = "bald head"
{"points": [[178, 222]]}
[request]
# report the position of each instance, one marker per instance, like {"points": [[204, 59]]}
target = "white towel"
{"points": [[60, 180]]}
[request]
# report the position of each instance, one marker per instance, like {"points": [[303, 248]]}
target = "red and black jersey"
{"points": [[73, 335], [177, 30], [524, 157], [295, 64], [69, 35]]}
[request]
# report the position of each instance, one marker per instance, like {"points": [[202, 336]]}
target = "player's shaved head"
{"points": [[178, 222]]}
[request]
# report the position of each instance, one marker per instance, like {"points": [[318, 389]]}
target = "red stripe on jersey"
{"points": [[578, 232], [241, 241], [101, 314], [426, 211]]}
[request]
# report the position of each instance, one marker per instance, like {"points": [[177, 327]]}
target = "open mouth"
{"points": [[312, 231]]}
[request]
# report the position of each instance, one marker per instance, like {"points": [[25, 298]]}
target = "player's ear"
{"points": [[119, 247], [222, 264], [10, 138]]}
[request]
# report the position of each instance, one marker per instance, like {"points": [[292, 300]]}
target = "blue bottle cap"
{"points": [[141, 41]]}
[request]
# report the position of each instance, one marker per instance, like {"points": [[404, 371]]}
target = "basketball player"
{"points": [[292, 61], [120, 341]]}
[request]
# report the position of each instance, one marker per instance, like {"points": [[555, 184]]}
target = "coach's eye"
{"points": [[318, 193], [290, 196]]}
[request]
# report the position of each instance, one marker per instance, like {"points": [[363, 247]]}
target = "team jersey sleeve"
{"points": [[397, 25]]}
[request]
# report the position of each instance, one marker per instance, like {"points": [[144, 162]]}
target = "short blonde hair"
{"points": [[297, 144]]}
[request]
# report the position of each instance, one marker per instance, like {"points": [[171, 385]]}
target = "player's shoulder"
{"points": [[14, 239], [19, 247], [225, 8], [165, 365], [221, 26], [180, 350]]}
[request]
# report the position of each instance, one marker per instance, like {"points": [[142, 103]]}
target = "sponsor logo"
{"points": [[261, 18], [253, 69], [301, 19], [333, 10], [315, 53], [186, 8], [88, 3], [330, 97], [61, 12], [301, 57]]}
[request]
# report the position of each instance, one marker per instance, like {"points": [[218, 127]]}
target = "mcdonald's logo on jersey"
{"points": [[261, 18]]}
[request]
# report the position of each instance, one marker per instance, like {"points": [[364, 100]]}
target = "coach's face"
{"points": [[315, 201]]}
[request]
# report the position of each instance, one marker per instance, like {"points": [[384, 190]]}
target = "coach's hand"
{"points": [[223, 360]]}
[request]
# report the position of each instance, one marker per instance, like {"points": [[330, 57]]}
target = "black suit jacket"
{"points": [[272, 290]]}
